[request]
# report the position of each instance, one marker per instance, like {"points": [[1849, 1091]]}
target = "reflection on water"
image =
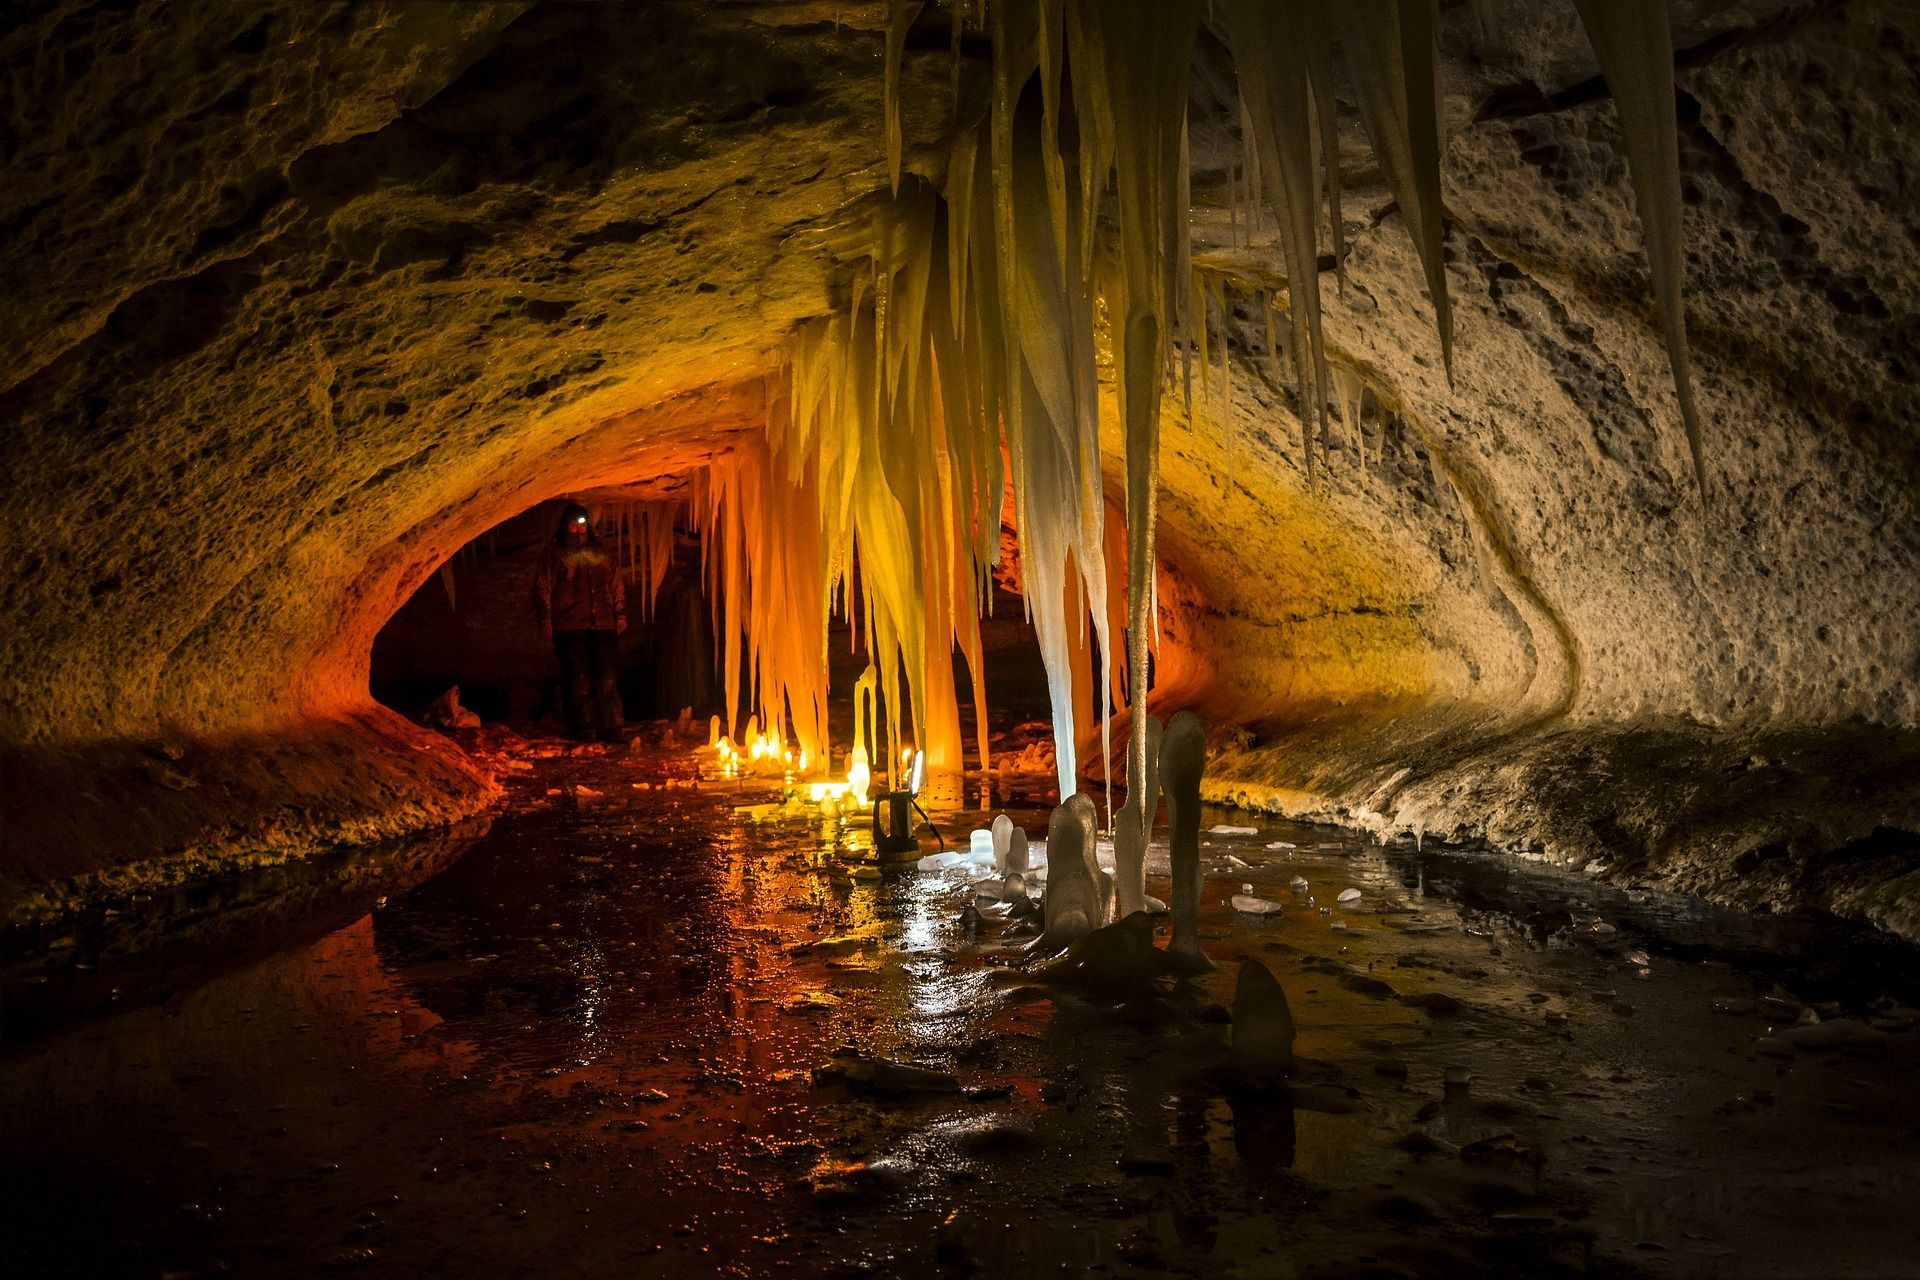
{"points": [[590, 1045]]}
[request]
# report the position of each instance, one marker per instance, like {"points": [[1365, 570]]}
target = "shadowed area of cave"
{"points": [[1565, 788]]}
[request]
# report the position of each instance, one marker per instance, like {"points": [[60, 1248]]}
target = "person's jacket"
{"points": [[579, 589]]}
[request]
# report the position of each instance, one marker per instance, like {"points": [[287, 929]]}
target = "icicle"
{"points": [[1272, 45], [1140, 53], [1348, 387], [1218, 282], [900, 17], [1635, 47], [1327, 118], [1391, 62], [955, 35], [1486, 17], [446, 583], [1202, 336]]}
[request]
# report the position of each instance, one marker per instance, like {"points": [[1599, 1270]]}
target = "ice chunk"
{"points": [[942, 861], [1250, 905], [1079, 895], [1349, 898], [1000, 840], [1835, 1033], [1224, 830]]}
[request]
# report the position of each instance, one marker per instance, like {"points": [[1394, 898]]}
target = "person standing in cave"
{"points": [[580, 603]]}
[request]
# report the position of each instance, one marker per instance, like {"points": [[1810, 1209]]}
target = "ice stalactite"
{"points": [[1052, 428], [644, 534], [1274, 45], [1635, 46], [974, 316], [1132, 60], [1486, 16], [1389, 53], [762, 542], [902, 400], [900, 16], [1349, 389]]}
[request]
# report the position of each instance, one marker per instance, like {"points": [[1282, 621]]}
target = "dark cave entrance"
{"points": [[471, 627]]}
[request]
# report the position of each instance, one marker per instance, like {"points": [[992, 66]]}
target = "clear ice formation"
{"points": [[1002, 842], [974, 315], [1183, 757], [1262, 1050], [1009, 847], [1079, 895], [1133, 828]]}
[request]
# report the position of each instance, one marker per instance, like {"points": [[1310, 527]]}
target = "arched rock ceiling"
{"points": [[300, 296]]}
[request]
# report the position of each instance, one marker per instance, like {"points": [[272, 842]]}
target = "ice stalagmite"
{"points": [[1002, 842], [1133, 829], [1635, 47], [1079, 895]]}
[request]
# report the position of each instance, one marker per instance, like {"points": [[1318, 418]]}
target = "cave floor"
{"points": [[605, 1039]]}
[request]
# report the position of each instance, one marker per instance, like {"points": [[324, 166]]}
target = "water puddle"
{"points": [[629, 1029]]}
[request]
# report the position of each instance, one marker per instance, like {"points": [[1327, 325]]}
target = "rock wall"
{"points": [[1552, 640], [302, 297]]}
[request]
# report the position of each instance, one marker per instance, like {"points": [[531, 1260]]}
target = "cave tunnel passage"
{"points": [[466, 649], [1487, 429], [472, 626]]}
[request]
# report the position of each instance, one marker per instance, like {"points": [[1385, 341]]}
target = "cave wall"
{"points": [[302, 297], [1594, 665]]}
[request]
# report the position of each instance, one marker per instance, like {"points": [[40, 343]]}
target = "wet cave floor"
{"points": [[611, 1037]]}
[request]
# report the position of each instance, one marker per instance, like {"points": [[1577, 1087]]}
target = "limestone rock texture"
{"points": [[299, 297]]}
